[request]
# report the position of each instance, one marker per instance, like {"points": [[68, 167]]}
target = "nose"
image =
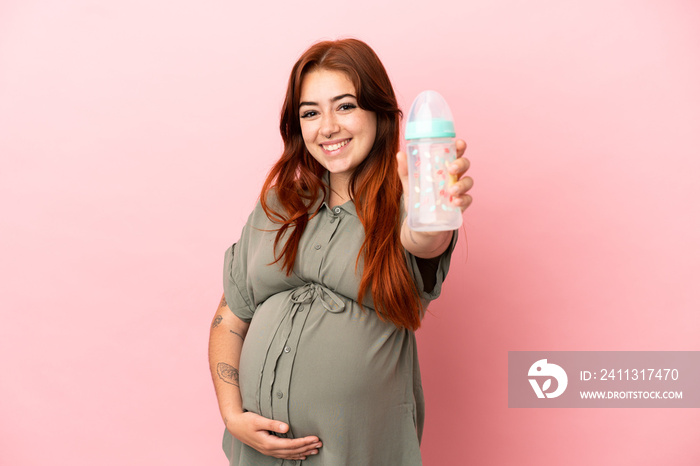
{"points": [[329, 125]]}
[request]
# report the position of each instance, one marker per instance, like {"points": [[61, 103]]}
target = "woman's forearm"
{"points": [[424, 244], [225, 343]]}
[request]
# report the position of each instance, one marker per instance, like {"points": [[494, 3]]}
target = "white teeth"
{"points": [[333, 147]]}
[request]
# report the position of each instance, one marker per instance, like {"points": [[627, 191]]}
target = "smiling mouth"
{"points": [[336, 146]]}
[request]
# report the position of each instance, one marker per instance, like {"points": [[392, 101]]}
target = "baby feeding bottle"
{"points": [[430, 146]]}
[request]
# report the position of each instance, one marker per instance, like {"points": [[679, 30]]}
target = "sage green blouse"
{"points": [[316, 361]]}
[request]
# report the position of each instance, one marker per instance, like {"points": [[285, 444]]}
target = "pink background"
{"points": [[134, 138]]}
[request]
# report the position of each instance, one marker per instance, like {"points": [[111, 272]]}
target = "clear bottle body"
{"points": [[429, 206]]}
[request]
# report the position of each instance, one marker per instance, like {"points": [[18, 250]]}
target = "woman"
{"points": [[312, 349]]}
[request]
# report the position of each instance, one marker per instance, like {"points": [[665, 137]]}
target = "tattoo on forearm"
{"points": [[237, 334], [227, 373], [217, 321], [223, 302]]}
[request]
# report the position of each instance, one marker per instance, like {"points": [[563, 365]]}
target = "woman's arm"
{"points": [[424, 244], [429, 244], [225, 344]]}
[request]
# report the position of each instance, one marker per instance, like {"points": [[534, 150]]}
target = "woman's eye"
{"points": [[347, 107], [308, 114]]}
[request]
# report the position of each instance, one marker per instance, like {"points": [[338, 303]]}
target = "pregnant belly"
{"points": [[324, 370]]}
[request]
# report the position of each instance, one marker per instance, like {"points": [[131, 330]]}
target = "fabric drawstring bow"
{"points": [[306, 294]]}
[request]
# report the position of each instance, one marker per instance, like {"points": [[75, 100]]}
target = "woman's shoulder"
{"points": [[272, 202], [276, 205], [272, 206], [271, 197]]}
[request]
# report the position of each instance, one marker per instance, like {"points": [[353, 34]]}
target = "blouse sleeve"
{"points": [[435, 268], [236, 288]]}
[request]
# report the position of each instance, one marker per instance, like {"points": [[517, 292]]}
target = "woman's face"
{"points": [[336, 131]]}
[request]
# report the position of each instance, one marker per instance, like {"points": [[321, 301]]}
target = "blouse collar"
{"points": [[348, 206]]}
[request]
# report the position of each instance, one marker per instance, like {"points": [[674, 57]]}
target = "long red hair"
{"points": [[375, 185]]}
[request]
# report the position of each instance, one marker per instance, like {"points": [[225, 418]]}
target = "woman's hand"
{"points": [[254, 431], [429, 244], [458, 168], [459, 190], [228, 332]]}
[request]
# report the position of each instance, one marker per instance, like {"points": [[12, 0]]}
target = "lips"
{"points": [[335, 146]]}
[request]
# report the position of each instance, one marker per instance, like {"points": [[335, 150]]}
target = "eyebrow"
{"points": [[334, 99]]}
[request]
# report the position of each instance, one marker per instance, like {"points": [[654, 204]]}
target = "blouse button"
{"points": [[336, 210], [287, 349], [317, 247], [279, 395]]}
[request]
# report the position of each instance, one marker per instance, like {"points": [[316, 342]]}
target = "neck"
{"points": [[339, 189]]}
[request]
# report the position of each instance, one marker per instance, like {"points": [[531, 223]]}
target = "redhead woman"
{"points": [[312, 349]]}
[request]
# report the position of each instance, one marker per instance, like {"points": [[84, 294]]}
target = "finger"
{"points": [[263, 423], [282, 450], [459, 167], [295, 446], [403, 169], [462, 186], [296, 457], [302, 456], [403, 165], [458, 193], [460, 146], [401, 158], [462, 201]]}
